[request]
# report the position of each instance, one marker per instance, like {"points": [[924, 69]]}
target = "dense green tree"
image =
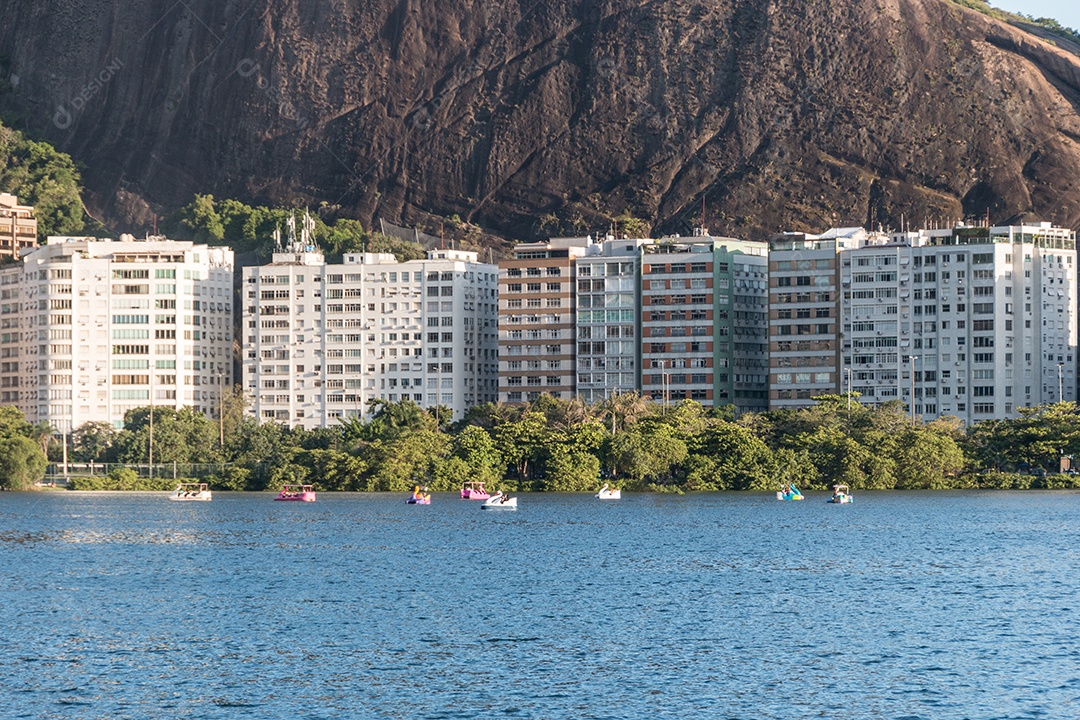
{"points": [[345, 236], [838, 457], [620, 410], [42, 433], [334, 470], [648, 452], [569, 468], [927, 460], [233, 477], [480, 458], [409, 459], [180, 436], [255, 442], [687, 418], [626, 225], [488, 415], [13, 422], [40, 176], [21, 463], [92, 440], [1037, 438], [22, 460], [727, 456], [201, 221], [391, 420], [521, 443]]}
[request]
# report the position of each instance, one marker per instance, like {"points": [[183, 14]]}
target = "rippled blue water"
{"points": [[903, 605]]}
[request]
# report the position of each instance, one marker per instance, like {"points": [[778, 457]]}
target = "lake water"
{"points": [[903, 605]]}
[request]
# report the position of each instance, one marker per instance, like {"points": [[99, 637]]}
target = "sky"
{"points": [[1066, 12]]}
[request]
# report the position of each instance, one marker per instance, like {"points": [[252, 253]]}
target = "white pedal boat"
{"points": [[500, 501]]}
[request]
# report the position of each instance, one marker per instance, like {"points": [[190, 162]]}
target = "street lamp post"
{"points": [[150, 453], [911, 360], [1060, 367], [221, 417], [848, 371], [664, 383]]}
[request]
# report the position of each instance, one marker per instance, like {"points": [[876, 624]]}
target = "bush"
{"points": [[1056, 482], [123, 479], [1004, 481], [231, 478]]}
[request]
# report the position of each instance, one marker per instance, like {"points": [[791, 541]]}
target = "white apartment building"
{"points": [[92, 328], [971, 322], [321, 341]]}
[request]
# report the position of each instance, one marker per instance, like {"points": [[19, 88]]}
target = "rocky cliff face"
{"points": [[535, 116]]}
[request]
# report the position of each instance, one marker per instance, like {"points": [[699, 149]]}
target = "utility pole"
{"points": [[1060, 367], [848, 371], [151, 453], [221, 416], [664, 383]]}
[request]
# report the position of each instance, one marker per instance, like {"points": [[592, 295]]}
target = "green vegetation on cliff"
{"points": [[247, 228], [40, 176], [1049, 24]]}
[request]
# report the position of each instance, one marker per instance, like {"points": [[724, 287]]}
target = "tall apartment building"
{"points": [[675, 318], [607, 323], [91, 328], [971, 322], [320, 340], [536, 320], [18, 227], [804, 302], [704, 327]]}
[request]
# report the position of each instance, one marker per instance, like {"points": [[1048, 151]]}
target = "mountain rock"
{"points": [[537, 117]]}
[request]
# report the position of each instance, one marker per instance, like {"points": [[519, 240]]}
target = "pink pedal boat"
{"points": [[297, 493], [474, 491]]}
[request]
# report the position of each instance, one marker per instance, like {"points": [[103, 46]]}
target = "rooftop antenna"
{"points": [[290, 226], [307, 232], [702, 213]]}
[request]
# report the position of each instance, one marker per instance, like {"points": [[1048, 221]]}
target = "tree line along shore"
{"points": [[557, 445]]}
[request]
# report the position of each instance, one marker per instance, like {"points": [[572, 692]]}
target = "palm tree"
{"points": [[43, 434], [622, 410]]}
